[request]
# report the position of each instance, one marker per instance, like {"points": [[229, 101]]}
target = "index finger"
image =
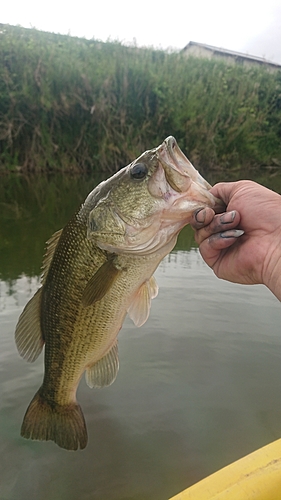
{"points": [[202, 217], [224, 191]]}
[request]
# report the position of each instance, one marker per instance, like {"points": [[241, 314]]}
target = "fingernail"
{"points": [[227, 217], [200, 215], [233, 233]]}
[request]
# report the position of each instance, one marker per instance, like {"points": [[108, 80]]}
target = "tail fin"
{"points": [[65, 425]]}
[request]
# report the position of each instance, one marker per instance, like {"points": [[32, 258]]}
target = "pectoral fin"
{"points": [[140, 306], [28, 335], [104, 372], [100, 283]]}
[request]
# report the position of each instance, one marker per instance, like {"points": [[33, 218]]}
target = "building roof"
{"points": [[227, 52]]}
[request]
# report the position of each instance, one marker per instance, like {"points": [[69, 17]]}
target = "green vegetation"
{"points": [[69, 104]]}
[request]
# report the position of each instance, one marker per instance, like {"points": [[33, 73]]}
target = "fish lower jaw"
{"points": [[192, 199], [158, 245], [186, 204]]}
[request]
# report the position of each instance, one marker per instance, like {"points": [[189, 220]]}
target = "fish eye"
{"points": [[139, 171]]}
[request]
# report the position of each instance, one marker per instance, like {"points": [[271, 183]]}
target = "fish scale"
{"points": [[96, 270]]}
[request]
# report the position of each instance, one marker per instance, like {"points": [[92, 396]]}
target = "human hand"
{"points": [[243, 245]]}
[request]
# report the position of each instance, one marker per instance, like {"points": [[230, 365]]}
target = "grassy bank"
{"points": [[72, 104]]}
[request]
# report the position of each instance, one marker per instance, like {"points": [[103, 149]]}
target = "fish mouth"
{"points": [[182, 176]]}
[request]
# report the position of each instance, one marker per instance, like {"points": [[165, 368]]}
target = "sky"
{"points": [[249, 26]]}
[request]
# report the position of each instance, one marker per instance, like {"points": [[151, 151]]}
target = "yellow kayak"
{"points": [[254, 477]]}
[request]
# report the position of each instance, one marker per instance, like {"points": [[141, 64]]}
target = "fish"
{"points": [[97, 269]]}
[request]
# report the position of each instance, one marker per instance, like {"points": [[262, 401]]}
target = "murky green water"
{"points": [[199, 384]]}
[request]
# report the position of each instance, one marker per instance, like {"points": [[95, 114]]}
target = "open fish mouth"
{"points": [[181, 174]]}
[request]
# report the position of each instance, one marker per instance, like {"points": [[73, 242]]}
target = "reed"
{"points": [[70, 104]]}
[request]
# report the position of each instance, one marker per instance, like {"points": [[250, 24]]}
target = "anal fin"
{"points": [[103, 372]]}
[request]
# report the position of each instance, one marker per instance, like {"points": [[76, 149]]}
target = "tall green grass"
{"points": [[71, 104]]}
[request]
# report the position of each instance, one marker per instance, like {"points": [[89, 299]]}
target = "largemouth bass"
{"points": [[96, 270]]}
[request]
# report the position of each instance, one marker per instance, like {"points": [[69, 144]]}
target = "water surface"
{"points": [[199, 384]]}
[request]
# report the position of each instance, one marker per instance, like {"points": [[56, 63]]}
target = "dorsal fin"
{"points": [[28, 335], [50, 250]]}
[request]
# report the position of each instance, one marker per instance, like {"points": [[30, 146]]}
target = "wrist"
{"points": [[273, 280]]}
